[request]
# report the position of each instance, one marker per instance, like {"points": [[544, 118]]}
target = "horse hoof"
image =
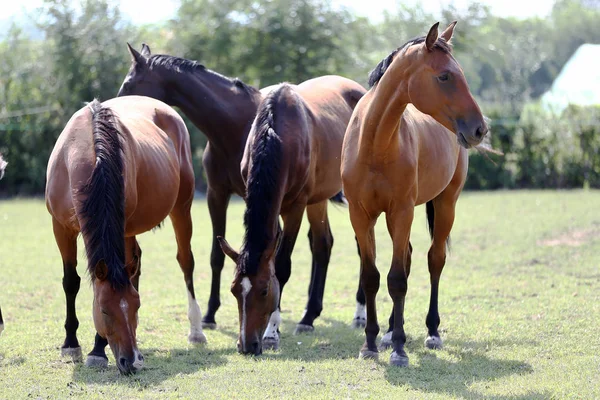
{"points": [[399, 360], [72, 352], [197, 338], [386, 341], [270, 343], [368, 355], [209, 325], [358, 323], [434, 343], [301, 328], [96, 362]]}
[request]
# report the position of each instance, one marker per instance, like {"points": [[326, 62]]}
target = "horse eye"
{"points": [[443, 77], [104, 312]]}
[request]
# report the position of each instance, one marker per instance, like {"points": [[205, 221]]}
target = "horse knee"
{"points": [[397, 282], [369, 279], [71, 281]]}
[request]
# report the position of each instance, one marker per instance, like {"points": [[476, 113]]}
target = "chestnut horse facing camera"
{"points": [[406, 145], [117, 170], [291, 164]]}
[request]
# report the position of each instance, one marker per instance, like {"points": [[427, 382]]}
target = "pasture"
{"points": [[519, 303]]}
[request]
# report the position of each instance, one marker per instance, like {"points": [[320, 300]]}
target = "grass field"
{"points": [[520, 309]]}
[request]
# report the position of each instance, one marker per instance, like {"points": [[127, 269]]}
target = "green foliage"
{"points": [[508, 63]]}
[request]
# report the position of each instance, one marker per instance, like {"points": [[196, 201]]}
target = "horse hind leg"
{"points": [[436, 257], [360, 315], [67, 245], [321, 242], [182, 224]]}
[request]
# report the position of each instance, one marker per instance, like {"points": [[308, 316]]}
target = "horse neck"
{"points": [[384, 115], [216, 106]]}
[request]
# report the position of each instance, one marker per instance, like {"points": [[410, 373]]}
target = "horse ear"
{"points": [[432, 36], [133, 267], [136, 57], [145, 50], [101, 271], [447, 34], [227, 249]]}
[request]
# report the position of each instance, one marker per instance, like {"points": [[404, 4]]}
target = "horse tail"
{"points": [[430, 221], [102, 211]]}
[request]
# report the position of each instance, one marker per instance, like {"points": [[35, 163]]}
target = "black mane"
{"points": [[179, 64], [380, 69], [102, 212], [261, 192]]}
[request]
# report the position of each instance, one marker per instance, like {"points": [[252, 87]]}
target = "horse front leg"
{"points": [[218, 201], [283, 269]]}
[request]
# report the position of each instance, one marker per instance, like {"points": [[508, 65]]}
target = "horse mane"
{"points": [[102, 212], [379, 70], [261, 188], [179, 64]]}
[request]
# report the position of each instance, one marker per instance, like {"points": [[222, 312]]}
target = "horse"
{"points": [[223, 109], [3, 165], [291, 164], [118, 169], [406, 145]]}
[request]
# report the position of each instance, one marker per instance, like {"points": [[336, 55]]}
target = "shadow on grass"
{"points": [[159, 365], [469, 365]]}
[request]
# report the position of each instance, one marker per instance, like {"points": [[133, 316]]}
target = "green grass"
{"points": [[520, 308]]}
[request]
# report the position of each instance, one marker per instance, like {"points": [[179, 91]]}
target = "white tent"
{"points": [[578, 82]]}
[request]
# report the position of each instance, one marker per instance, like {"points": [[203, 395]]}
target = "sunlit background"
{"points": [[532, 66]]}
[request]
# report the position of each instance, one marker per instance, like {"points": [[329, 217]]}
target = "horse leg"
{"points": [[360, 315], [386, 340], [217, 207], [134, 254], [442, 225], [283, 269], [399, 223], [1, 322], [321, 244], [363, 226], [67, 245], [182, 224]]}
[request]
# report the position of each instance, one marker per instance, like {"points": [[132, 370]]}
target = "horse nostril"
{"points": [[480, 132], [140, 357], [256, 348]]}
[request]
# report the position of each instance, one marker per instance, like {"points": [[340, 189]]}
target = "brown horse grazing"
{"points": [[117, 170], [223, 109], [291, 163], [406, 145], [3, 165]]}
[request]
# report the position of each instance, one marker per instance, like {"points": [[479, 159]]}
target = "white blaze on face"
{"points": [[246, 286], [125, 307]]}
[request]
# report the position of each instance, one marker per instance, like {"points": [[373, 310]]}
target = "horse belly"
{"points": [[436, 170], [154, 195]]}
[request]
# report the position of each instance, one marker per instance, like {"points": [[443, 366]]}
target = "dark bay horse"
{"points": [[117, 170], [291, 164], [223, 109], [3, 165], [406, 145]]}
